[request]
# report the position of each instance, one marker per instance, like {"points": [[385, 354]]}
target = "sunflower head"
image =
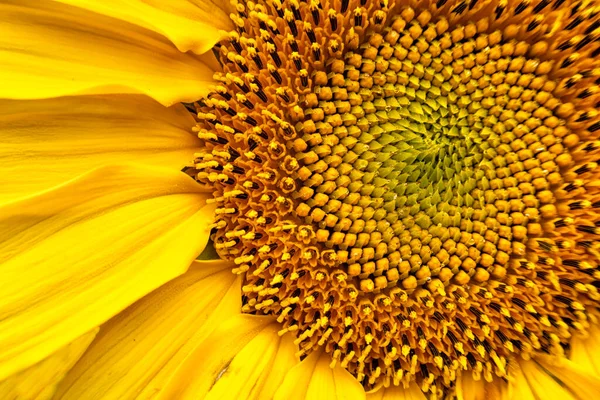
{"points": [[410, 187]]}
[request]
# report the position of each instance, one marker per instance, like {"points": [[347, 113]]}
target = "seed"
{"points": [[414, 169]]}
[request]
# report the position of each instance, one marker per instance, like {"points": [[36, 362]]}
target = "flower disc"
{"points": [[412, 188]]}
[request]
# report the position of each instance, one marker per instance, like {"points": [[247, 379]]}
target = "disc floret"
{"points": [[411, 189]]}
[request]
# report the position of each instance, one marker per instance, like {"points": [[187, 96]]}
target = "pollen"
{"points": [[414, 190]]}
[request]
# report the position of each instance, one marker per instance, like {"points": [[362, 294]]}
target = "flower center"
{"points": [[410, 190]]}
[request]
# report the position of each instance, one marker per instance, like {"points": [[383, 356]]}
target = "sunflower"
{"points": [[285, 199]]}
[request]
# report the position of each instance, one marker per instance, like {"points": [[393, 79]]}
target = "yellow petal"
{"points": [[584, 352], [579, 354], [39, 381], [582, 382], [49, 49], [145, 343], [285, 359], [468, 388], [543, 385], [75, 256], [258, 369], [398, 393], [191, 25], [241, 350], [519, 387], [379, 393], [46, 142], [313, 379]]}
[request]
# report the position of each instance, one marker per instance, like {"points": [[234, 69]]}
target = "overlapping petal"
{"points": [[468, 388], [542, 384], [47, 142], [39, 381], [137, 351], [413, 392], [518, 386], [49, 49], [313, 379], [584, 351], [190, 24], [244, 358], [73, 257], [581, 382]]}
